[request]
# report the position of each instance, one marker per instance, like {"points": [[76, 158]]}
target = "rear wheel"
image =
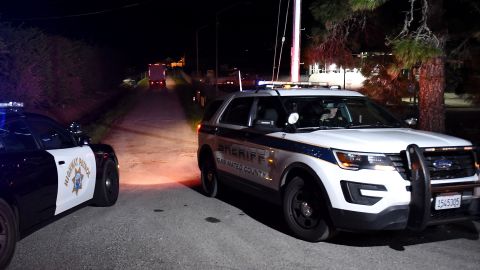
{"points": [[305, 211], [8, 234], [209, 178], [107, 189]]}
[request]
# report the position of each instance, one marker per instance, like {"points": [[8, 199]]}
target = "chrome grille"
{"points": [[461, 163]]}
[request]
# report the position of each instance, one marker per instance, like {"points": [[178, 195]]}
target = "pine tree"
{"points": [[418, 45]]}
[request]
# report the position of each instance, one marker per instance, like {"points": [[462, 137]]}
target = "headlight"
{"points": [[357, 161]]}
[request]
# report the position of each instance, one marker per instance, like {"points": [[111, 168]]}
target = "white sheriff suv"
{"points": [[334, 160]]}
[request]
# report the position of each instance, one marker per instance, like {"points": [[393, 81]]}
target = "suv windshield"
{"points": [[338, 112]]}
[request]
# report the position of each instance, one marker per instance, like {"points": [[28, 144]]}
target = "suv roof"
{"points": [[297, 92]]}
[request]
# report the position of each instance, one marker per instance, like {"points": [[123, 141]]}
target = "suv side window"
{"points": [[211, 110], [16, 137], [51, 135], [270, 112], [238, 112]]}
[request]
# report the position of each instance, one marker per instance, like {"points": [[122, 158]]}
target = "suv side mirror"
{"points": [[293, 118], [83, 140], [411, 122], [291, 121]]}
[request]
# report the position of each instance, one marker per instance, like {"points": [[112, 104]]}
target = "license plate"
{"points": [[448, 201]]}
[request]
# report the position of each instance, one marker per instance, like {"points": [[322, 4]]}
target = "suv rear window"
{"points": [[212, 108], [238, 112]]}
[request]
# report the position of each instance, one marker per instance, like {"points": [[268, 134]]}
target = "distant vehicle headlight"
{"points": [[357, 161]]}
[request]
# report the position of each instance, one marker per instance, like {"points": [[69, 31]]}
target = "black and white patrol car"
{"points": [[335, 160], [45, 171]]}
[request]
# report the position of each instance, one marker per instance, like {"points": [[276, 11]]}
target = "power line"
{"points": [[97, 12]]}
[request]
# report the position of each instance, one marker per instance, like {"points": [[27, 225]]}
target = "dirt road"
{"points": [[154, 143]]}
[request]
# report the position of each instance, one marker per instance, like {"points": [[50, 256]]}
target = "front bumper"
{"points": [[400, 218], [420, 212], [392, 218]]}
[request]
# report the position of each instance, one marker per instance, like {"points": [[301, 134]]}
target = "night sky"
{"points": [[149, 31]]}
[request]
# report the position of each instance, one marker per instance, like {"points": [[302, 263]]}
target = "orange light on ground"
{"points": [[159, 184]]}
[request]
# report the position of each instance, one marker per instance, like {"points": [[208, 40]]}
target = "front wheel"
{"points": [[209, 178], [8, 234], [305, 211], [107, 189]]}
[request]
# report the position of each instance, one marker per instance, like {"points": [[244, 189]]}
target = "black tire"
{"points": [[305, 211], [107, 189], [8, 234], [210, 185]]}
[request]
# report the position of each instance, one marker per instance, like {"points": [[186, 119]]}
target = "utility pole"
{"points": [[216, 52], [196, 42], [295, 52]]}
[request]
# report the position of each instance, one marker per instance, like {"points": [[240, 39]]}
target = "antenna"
{"points": [[240, 80], [276, 39]]}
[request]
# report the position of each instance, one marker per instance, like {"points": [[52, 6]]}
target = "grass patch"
{"points": [[193, 111], [143, 83], [123, 104]]}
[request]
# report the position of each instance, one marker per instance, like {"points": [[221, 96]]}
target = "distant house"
{"points": [[348, 78], [179, 64], [333, 75]]}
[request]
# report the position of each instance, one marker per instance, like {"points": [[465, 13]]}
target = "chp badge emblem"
{"points": [[77, 180], [75, 175]]}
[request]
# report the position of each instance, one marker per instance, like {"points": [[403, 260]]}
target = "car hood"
{"points": [[379, 140]]}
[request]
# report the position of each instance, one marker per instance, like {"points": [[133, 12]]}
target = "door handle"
{"points": [[61, 162]]}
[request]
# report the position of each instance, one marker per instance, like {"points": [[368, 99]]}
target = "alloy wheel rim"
{"points": [[209, 182], [305, 210], [108, 183]]}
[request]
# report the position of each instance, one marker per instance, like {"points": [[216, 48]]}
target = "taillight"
{"points": [[199, 126]]}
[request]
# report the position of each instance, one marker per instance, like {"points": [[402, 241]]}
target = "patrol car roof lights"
{"points": [[12, 105], [75, 128], [289, 85], [357, 161]]}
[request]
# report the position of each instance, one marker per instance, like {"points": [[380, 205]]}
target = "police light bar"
{"points": [[281, 84], [11, 105]]}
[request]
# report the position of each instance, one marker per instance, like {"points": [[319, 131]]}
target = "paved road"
{"points": [[162, 221]]}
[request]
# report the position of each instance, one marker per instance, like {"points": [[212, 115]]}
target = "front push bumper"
{"points": [[421, 212]]}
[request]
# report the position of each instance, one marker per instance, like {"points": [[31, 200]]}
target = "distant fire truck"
{"points": [[156, 75]]}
